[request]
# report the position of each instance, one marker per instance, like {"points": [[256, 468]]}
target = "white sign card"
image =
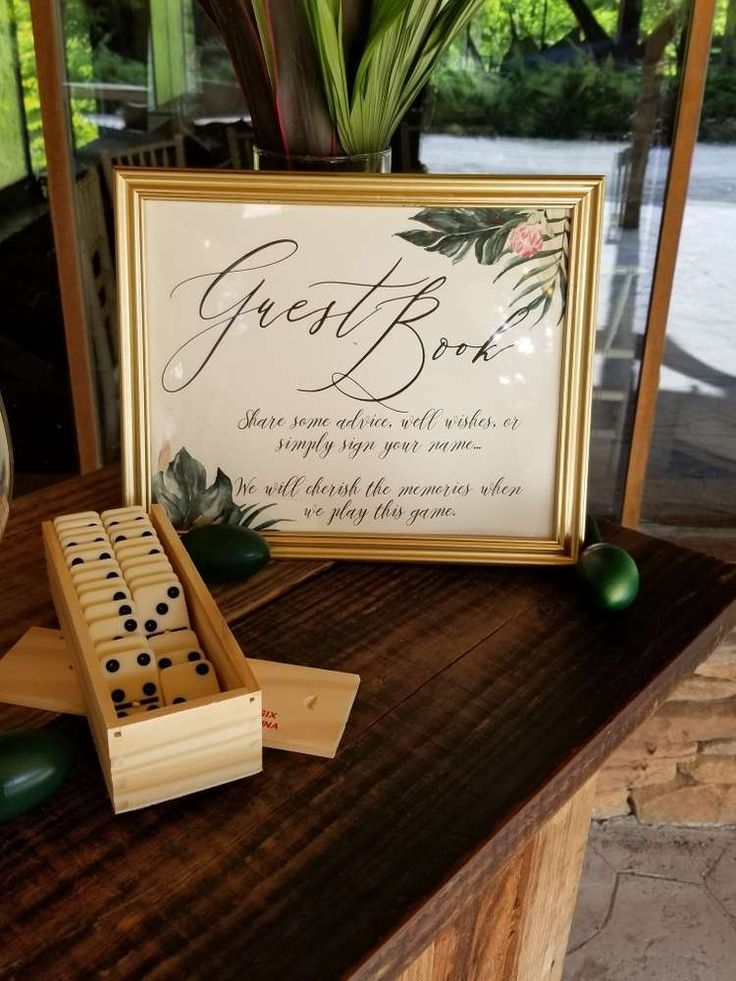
{"points": [[388, 370]]}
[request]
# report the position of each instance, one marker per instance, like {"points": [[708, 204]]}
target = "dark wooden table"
{"points": [[445, 839]]}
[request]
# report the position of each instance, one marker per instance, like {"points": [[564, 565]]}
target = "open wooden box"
{"points": [[177, 749]]}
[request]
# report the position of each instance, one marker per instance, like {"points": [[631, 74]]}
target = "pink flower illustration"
{"points": [[525, 240]]}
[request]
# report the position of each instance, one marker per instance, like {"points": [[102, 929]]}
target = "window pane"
{"points": [[530, 89], [33, 368], [533, 87], [147, 84], [691, 478], [13, 160], [140, 72]]}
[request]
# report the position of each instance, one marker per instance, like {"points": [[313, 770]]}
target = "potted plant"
{"points": [[329, 81]]}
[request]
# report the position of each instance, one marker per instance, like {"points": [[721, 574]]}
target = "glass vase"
{"points": [[355, 163]]}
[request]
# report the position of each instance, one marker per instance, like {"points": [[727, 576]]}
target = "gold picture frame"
{"points": [[523, 223]]}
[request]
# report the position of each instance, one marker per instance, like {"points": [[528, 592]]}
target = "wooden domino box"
{"points": [[176, 749]]}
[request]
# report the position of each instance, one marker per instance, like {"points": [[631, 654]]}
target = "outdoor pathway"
{"points": [[655, 904], [692, 466]]}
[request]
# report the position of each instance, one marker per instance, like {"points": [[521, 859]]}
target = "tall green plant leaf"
{"points": [[274, 56], [299, 97], [356, 19], [321, 76], [236, 24], [325, 21], [404, 41]]}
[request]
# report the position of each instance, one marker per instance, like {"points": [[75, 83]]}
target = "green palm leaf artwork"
{"points": [[533, 242], [190, 502]]}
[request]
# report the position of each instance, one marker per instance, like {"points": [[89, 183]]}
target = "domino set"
{"points": [[135, 610], [172, 703]]}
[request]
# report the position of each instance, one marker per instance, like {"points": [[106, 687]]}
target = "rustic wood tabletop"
{"points": [[489, 696]]}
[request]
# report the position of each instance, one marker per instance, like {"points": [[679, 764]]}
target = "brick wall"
{"points": [[680, 766]]}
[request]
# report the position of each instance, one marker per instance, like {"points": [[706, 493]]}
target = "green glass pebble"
{"points": [[609, 576], [33, 765], [226, 553]]}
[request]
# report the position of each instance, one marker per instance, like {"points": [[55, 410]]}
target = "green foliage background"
{"points": [[489, 82], [493, 82], [552, 100], [12, 156], [80, 68]]}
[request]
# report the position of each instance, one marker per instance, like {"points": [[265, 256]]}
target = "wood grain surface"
{"points": [[489, 696], [478, 943], [517, 928], [546, 901]]}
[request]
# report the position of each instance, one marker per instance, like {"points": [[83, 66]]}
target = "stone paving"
{"points": [[655, 904]]}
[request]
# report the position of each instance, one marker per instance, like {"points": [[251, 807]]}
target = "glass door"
{"points": [[691, 476], [535, 87], [34, 378]]}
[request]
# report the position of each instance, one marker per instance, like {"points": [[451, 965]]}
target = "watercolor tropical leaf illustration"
{"points": [[182, 489], [533, 242]]}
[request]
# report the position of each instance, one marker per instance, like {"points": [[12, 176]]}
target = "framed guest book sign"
{"points": [[379, 367]]}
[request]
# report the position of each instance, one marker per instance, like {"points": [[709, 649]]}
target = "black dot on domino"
{"points": [[172, 592], [154, 551], [125, 609], [77, 561], [194, 656], [117, 695], [150, 626], [112, 575], [162, 608], [105, 555], [164, 662], [143, 659], [149, 688], [119, 538], [69, 544], [202, 669], [147, 534], [119, 595], [112, 665], [178, 699], [130, 626]]}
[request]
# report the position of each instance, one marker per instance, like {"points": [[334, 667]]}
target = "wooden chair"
{"points": [[98, 277], [621, 182], [615, 357], [166, 153], [240, 146]]}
